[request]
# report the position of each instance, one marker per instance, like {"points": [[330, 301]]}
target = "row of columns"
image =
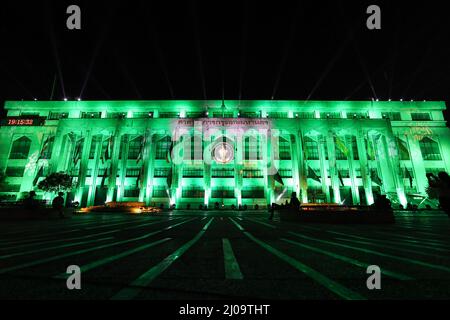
{"points": [[65, 146]]}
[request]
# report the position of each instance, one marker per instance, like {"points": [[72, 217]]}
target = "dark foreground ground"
{"points": [[226, 255]]}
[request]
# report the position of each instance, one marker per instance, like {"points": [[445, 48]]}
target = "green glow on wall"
{"points": [[292, 120]]}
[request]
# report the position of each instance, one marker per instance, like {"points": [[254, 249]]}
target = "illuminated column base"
{"points": [[369, 197], [207, 195], [402, 197]]}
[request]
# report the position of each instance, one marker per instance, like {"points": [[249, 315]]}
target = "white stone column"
{"points": [[302, 169], [83, 165], [418, 164], [391, 151], [266, 143], [351, 170], [323, 167], [364, 166], [295, 163], [333, 169], [207, 166], [146, 171], [238, 168], [94, 176], [112, 180], [59, 152], [123, 167], [151, 170]]}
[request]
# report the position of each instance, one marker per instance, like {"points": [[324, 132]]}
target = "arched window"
{"points": [[430, 149], [20, 148]]}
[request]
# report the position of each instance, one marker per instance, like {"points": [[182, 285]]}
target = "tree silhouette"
{"points": [[56, 182]]}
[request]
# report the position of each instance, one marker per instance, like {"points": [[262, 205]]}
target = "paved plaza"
{"points": [[223, 255]]}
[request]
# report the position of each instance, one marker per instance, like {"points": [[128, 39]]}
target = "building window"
{"points": [[355, 148], [91, 115], [131, 193], [193, 192], [74, 172], [311, 149], [134, 147], [102, 172], [393, 116], [116, 115], [285, 173], [10, 188], [345, 173], [330, 115], [284, 147], [252, 173], [220, 114], [252, 192], [161, 172], [57, 115], [29, 114], [162, 148], [252, 148], [356, 115], [250, 114], [223, 173], [15, 172], [305, 115], [46, 152], [195, 114], [20, 148], [123, 140], [160, 192], [168, 115], [430, 149], [223, 193], [142, 115], [277, 115], [133, 172], [95, 140], [420, 116], [193, 172]]}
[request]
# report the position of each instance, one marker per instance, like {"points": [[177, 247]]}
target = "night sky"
{"points": [[138, 50]]}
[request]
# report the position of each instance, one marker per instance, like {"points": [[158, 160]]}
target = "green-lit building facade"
{"points": [[227, 152]]}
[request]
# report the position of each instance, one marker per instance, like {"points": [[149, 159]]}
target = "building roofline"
{"points": [[281, 105]]}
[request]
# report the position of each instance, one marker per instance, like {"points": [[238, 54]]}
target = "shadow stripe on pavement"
{"points": [[135, 287], [333, 286]]}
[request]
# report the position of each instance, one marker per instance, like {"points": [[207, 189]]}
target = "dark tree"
{"points": [[56, 182]]}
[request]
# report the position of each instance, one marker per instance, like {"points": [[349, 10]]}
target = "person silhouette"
{"points": [[295, 203], [58, 204], [272, 211], [30, 202]]}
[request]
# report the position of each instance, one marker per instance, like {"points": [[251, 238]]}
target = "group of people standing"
{"points": [[294, 204], [32, 205]]}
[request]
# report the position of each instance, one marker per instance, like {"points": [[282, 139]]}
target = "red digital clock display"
{"points": [[22, 122]]}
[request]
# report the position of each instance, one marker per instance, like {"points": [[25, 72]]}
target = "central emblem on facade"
{"points": [[223, 152]]}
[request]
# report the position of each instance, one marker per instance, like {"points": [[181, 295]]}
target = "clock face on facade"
{"points": [[223, 152]]}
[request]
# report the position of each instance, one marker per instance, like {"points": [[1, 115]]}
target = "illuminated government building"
{"points": [[232, 153]]}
